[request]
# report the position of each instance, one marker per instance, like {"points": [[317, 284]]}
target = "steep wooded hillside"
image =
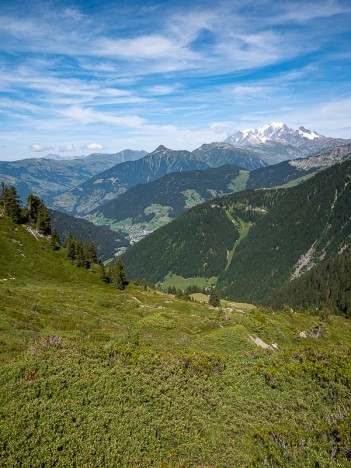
{"points": [[326, 287], [311, 222], [273, 237], [199, 242], [107, 242]]}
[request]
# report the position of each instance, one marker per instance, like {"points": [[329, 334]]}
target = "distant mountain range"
{"points": [[276, 142], [217, 154], [80, 185], [255, 242], [49, 177], [116, 180], [146, 207], [160, 201], [113, 182]]}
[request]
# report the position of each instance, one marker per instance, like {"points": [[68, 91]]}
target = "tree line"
{"points": [[36, 214]]}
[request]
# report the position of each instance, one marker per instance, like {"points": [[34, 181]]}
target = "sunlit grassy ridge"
{"points": [[92, 376]]}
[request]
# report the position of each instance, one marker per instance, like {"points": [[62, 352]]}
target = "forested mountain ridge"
{"points": [[288, 171], [171, 195], [199, 242], [310, 223], [264, 245], [111, 183], [49, 177]]}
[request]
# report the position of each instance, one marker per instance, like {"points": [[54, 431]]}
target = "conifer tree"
{"points": [[38, 215], [9, 201], [79, 254], [103, 273], [214, 299], [70, 247], [118, 276], [90, 252], [33, 204], [55, 242], [43, 222]]}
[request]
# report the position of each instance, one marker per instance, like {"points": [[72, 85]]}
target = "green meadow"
{"points": [[94, 376]]}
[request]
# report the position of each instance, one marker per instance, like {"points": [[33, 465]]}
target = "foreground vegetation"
{"points": [[94, 376]]}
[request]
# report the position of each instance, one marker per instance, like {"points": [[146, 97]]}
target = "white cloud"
{"points": [[86, 116], [162, 89], [67, 148], [152, 47], [93, 146], [303, 12], [219, 127], [36, 148], [74, 13]]}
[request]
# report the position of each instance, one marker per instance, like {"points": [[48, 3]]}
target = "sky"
{"points": [[102, 76]]}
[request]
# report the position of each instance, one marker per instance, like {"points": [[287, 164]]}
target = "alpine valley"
{"points": [[178, 308]]}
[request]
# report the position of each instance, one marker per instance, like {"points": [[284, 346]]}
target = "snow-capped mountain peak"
{"points": [[308, 134], [276, 132]]}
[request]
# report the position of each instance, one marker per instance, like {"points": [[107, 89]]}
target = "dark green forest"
{"points": [[197, 243], [309, 222], [326, 287], [173, 247], [106, 240], [168, 191]]}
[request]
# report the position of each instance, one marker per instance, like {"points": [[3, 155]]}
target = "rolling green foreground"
{"points": [[92, 376]]}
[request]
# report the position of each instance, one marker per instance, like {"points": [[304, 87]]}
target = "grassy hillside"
{"points": [[92, 376]]}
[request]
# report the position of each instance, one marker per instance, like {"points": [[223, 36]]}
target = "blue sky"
{"points": [[102, 76]]}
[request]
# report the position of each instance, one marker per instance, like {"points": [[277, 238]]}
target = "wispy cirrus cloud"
{"points": [[303, 12], [88, 116], [159, 90], [168, 69]]}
